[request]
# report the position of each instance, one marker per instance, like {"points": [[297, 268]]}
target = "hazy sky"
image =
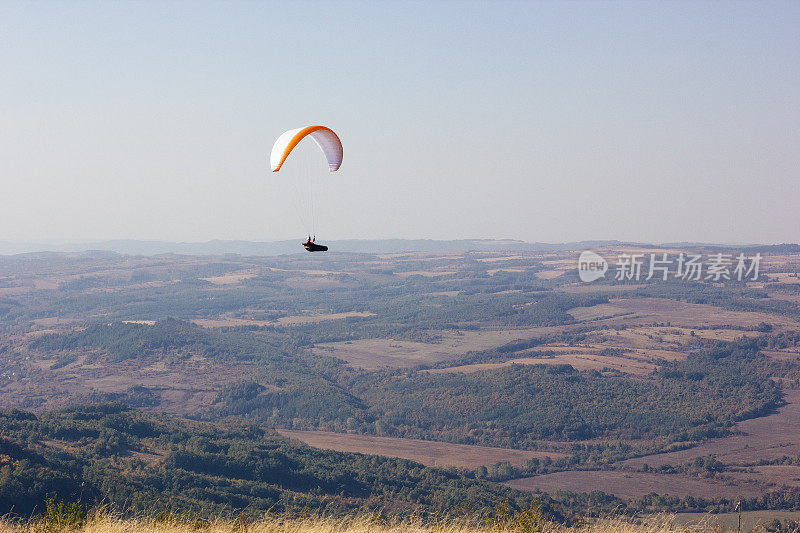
{"points": [[545, 121]]}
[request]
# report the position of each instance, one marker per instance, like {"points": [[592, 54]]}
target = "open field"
{"points": [[661, 343], [677, 313], [579, 360], [429, 453], [370, 354], [681, 336], [783, 355], [751, 520], [231, 278], [180, 389], [282, 321], [773, 477], [785, 277], [596, 312], [423, 273], [628, 485]]}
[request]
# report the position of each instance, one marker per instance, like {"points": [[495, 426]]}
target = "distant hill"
{"points": [[250, 248], [384, 246]]}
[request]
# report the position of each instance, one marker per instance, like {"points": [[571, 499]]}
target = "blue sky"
{"points": [[543, 121]]}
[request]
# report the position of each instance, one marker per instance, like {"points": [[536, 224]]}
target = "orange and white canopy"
{"points": [[325, 138]]}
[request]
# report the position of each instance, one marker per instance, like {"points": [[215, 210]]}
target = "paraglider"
{"points": [[327, 141], [312, 246]]}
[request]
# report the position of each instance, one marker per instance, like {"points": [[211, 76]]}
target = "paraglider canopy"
{"points": [[325, 138], [331, 147]]}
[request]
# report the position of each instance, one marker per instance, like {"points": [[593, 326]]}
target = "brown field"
{"points": [[682, 335], [597, 312], [371, 354], [443, 293], [231, 278], [678, 314], [627, 485], [182, 389], [131, 287], [783, 355], [655, 355], [291, 320], [562, 264], [779, 295], [578, 361], [784, 277], [52, 321], [646, 345], [425, 273], [495, 257], [45, 284], [695, 315], [429, 453], [751, 520], [772, 477], [400, 257], [14, 291], [653, 343], [283, 321], [230, 322], [642, 353], [307, 272]]}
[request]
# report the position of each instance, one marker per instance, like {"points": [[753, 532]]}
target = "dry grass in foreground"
{"points": [[351, 524], [71, 517]]}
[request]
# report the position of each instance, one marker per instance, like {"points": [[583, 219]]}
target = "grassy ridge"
{"points": [[359, 523]]}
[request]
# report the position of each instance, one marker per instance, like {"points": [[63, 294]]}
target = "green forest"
{"points": [[142, 462], [514, 406]]}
